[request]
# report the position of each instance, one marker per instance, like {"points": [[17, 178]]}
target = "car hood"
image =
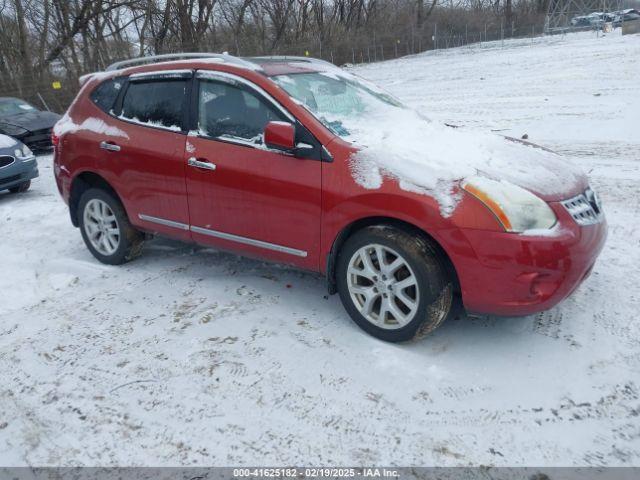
{"points": [[32, 121], [433, 158], [562, 179]]}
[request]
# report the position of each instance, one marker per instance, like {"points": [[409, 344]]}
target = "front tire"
{"points": [[106, 229], [393, 284], [23, 187]]}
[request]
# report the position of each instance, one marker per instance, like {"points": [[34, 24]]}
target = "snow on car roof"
{"points": [[272, 69], [269, 66]]}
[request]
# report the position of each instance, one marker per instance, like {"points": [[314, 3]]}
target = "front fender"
{"points": [[368, 208]]}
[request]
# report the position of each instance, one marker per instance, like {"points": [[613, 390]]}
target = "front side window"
{"points": [[157, 103], [229, 111]]}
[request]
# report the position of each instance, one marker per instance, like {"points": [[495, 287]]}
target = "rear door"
{"points": [[152, 113], [243, 196]]}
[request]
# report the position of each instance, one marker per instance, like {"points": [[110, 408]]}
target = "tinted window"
{"points": [[227, 110], [104, 96], [155, 103]]}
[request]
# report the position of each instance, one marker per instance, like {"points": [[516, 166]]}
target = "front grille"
{"points": [[8, 180], [585, 208], [39, 139], [6, 160]]}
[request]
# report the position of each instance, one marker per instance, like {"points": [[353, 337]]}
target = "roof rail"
{"points": [[290, 58], [180, 56]]}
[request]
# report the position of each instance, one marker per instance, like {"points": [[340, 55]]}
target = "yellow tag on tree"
{"points": [[306, 52], [56, 85]]}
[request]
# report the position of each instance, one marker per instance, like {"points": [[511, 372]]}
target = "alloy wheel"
{"points": [[101, 227], [383, 287]]}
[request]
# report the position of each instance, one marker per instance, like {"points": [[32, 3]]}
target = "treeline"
{"points": [[45, 45]]}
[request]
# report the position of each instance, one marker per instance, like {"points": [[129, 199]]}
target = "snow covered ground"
{"points": [[194, 357]]}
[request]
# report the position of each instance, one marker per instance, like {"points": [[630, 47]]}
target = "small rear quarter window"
{"points": [[105, 94]]}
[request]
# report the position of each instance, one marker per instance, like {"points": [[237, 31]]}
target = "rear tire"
{"points": [[106, 229], [23, 187], [407, 297]]}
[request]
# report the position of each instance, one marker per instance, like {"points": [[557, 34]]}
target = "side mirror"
{"points": [[280, 135]]}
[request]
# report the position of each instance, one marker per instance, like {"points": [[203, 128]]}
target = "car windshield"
{"points": [[335, 97], [12, 106]]}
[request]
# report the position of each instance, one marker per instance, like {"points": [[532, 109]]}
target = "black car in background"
{"points": [[26, 123]]}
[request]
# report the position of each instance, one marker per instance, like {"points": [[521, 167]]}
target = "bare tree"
{"points": [[47, 41]]}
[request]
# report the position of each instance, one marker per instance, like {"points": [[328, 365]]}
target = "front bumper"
{"points": [[509, 274], [38, 140], [18, 173]]}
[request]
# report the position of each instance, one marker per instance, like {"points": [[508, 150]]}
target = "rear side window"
{"points": [[104, 96], [158, 103]]}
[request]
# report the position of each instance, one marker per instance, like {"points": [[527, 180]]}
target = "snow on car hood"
{"points": [[432, 158], [6, 141], [424, 156]]}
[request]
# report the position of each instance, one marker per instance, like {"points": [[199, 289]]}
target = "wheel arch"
{"points": [[361, 223], [80, 184]]}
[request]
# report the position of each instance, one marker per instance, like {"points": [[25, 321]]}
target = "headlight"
{"points": [[24, 154], [517, 209], [12, 130]]}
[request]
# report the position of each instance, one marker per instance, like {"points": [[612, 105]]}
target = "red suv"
{"points": [[293, 160]]}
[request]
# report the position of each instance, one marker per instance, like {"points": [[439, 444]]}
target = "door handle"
{"points": [[194, 162], [112, 147]]}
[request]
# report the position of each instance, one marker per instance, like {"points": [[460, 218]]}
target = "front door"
{"points": [[243, 196]]}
